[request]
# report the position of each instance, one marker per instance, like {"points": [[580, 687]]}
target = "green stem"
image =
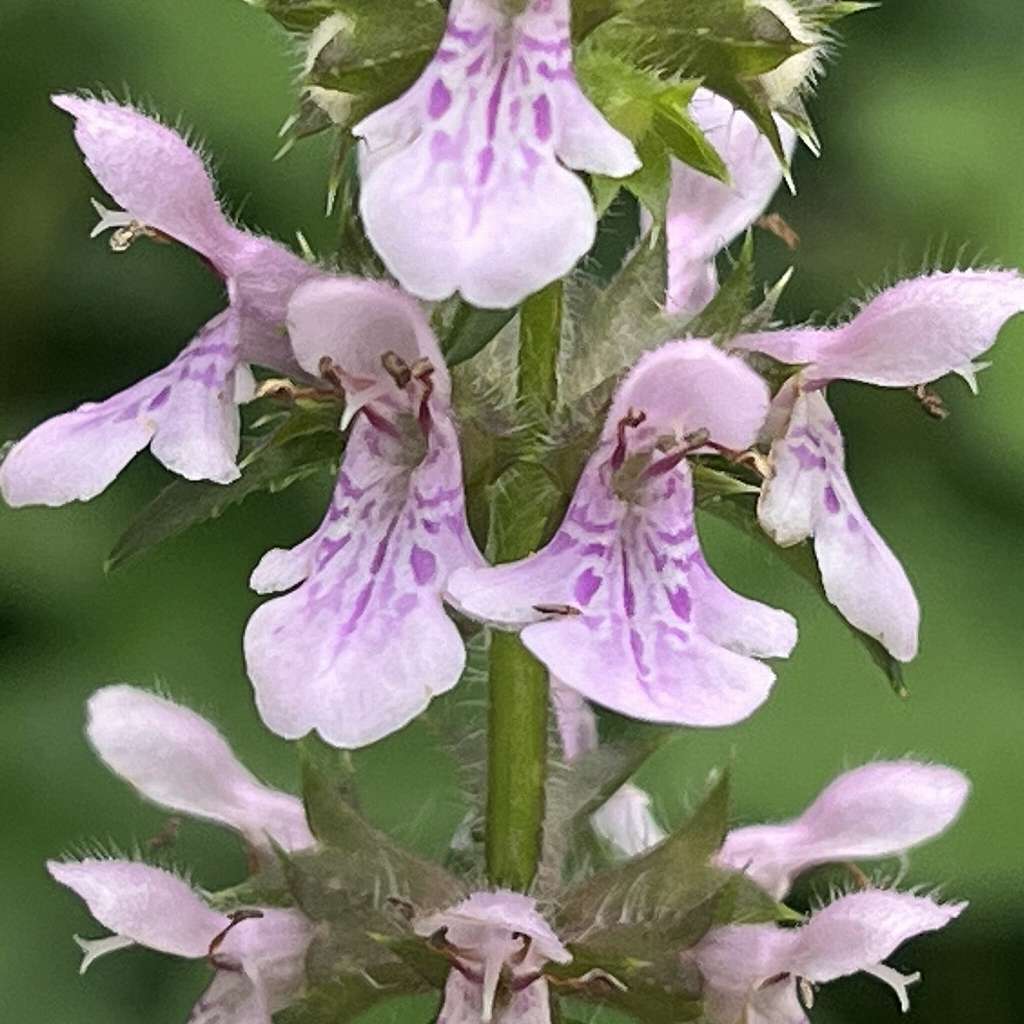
{"points": [[518, 711]]}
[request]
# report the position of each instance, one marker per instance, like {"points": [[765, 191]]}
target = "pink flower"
{"points": [[466, 178], [498, 943], [177, 759], [752, 972], [187, 412], [704, 214], [621, 605], [913, 333], [362, 643], [882, 809], [259, 959]]}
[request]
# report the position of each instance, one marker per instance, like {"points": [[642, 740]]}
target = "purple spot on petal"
{"points": [[852, 524], [679, 600], [806, 458], [542, 117], [405, 604], [485, 162], [423, 563], [628, 596], [494, 101], [594, 550], [831, 500], [587, 585], [636, 644], [160, 399], [440, 100], [561, 543]]}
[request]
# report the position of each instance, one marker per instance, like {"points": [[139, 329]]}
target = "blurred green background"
{"points": [[920, 117]]}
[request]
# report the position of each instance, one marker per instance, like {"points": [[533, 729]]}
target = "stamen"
{"points": [[235, 919], [597, 977], [557, 609], [167, 836], [806, 990], [931, 402], [631, 419], [397, 369], [860, 879]]}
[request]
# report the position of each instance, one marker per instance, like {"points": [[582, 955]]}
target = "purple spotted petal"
{"points": [[639, 639], [881, 809], [621, 605], [915, 332], [186, 412], [363, 644], [462, 184], [704, 214], [809, 494]]}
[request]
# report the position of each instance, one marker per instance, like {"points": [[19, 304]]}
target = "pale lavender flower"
{"points": [[187, 412], [363, 643], [260, 959], [882, 809], [467, 180], [177, 759], [753, 973], [704, 214], [913, 333], [499, 944], [621, 605]]}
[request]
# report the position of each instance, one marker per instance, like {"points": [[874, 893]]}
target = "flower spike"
{"points": [[655, 634], [187, 412], [467, 178], [362, 643]]}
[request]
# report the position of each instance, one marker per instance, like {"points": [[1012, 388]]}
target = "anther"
{"points": [[397, 369], [632, 419], [930, 401], [557, 609], [806, 993], [235, 919], [121, 240]]}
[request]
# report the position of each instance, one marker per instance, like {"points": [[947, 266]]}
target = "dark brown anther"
{"points": [[632, 419], [774, 979], [557, 609], [517, 958], [167, 836], [331, 373], [235, 918], [932, 403], [397, 369]]}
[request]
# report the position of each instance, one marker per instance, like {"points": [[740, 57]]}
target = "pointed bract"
{"points": [[177, 759], [187, 411], [647, 630], [363, 643], [465, 181]]}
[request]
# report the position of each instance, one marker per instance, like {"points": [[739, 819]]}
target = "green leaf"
{"points": [[740, 511], [471, 330], [681, 136], [306, 443], [428, 963], [381, 48]]}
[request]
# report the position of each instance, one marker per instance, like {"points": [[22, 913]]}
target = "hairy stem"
{"points": [[518, 712]]}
